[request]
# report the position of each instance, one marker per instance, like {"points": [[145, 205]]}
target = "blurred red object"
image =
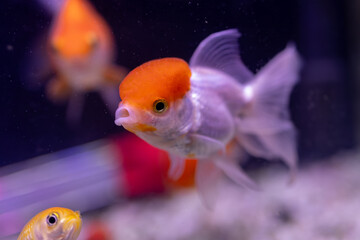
{"points": [[144, 167], [97, 231]]}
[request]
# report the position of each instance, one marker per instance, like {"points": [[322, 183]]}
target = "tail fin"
{"points": [[267, 118]]}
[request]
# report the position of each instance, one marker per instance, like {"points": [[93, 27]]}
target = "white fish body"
{"points": [[226, 102]]}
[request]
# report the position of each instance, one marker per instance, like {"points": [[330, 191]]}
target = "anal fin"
{"points": [[205, 145], [207, 178], [236, 174]]}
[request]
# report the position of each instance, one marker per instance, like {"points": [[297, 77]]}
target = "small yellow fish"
{"points": [[82, 52], [195, 110], [53, 223]]}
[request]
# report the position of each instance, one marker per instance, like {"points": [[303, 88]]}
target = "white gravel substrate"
{"points": [[323, 203]]}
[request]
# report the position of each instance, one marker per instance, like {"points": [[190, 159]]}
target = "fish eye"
{"points": [[52, 219], [160, 106]]}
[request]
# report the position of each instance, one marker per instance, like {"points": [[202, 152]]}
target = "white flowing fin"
{"points": [[177, 166], [266, 116], [75, 108], [204, 145], [268, 94], [283, 145], [236, 174], [253, 145], [207, 178], [220, 51], [110, 96]]}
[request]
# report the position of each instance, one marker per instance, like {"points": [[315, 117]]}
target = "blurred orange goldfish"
{"points": [[82, 52], [196, 110], [53, 223]]}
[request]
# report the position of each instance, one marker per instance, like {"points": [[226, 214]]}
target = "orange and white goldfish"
{"points": [[195, 110], [82, 52], [53, 223]]}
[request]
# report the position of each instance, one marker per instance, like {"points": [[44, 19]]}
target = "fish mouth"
{"points": [[73, 225], [122, 116], [125, 117]]}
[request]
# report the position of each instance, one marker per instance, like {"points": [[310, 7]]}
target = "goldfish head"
{"points": [[75, 47], [55, 223], [155, 99], [79, 36]]}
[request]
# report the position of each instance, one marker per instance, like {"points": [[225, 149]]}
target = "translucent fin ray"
{"points": [[236, 174], [221, 51], [270, 92], [177, 166], [207, 177], [265, 128]]}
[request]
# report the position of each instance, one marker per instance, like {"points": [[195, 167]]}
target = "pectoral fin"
{"points": [[177, 166], [58, 90], [115, 74], [283, 144], [204, 145]]}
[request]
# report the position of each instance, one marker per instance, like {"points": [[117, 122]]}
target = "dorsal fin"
{"points": [[221, 51]]}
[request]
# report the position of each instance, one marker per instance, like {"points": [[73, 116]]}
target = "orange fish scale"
{"points": [[167, 78]]}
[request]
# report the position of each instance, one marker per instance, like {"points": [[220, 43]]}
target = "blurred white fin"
{"points": [[254, 145], [76, 103], [58, 89], [268, 94], [207, 177], [204, 144], [265, 127], [111, 98], [221, 51], [177, 166], [235, 173], [284, 146], [52, 6]]}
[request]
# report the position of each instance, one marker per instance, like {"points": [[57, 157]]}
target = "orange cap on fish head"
{"points": [[166, 78]]}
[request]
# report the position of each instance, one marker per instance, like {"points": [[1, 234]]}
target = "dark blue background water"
{"points": [[321, 104]]}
